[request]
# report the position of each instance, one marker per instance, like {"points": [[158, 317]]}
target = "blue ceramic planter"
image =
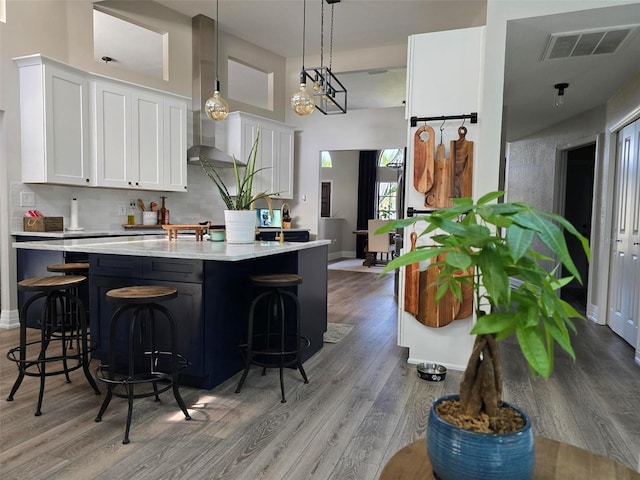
{"points": [[458, 454]]}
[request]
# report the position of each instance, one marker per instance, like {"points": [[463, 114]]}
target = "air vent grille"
{"points": [[587, 42]]}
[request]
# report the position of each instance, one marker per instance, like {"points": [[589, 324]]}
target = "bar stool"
{"points": [[276, 342], [54, 326], [158, 367], [72, 268]]}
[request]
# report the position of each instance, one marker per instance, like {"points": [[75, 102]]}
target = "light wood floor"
{"points": [[362, 404]]}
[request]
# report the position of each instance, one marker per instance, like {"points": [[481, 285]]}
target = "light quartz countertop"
{"points": [[91, 233], [184, 247]]}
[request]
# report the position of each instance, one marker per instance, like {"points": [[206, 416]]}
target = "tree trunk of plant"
{"points": [[481, 385]]}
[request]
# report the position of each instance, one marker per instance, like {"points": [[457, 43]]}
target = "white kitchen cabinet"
{"points": [[54, 122], [139, 137], [175, 144], [275, 150]]}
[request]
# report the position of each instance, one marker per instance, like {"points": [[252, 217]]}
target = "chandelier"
{"points": [[329, 94]]}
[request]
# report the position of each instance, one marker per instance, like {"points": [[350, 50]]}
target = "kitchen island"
{"points": [[213, 290]]}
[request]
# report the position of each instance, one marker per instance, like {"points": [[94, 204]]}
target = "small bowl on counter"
{"points": [[431, 372], [216, 235]]}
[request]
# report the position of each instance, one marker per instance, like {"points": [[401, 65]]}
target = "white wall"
{"points": [[531, 177]]}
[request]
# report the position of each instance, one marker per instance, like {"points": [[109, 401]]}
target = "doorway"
{"points": [[579, 177]]}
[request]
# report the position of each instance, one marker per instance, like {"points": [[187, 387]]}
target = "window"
{"points": [[387, 195], [391, 157], [325, 159], [387, 192]]}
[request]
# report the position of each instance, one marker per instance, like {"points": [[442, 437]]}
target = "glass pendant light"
{"points": [[216, 107], [302, 101]]}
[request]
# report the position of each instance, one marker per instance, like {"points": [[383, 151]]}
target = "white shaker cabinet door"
{"points": [[54, 122], [112, 134], [147, 146], [175, 145]]}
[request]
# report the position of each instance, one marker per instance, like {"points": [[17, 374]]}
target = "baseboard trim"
{"points": [[9, 319]]}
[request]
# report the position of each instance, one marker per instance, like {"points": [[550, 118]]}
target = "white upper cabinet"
{"points": [[84, 129], [140, 137], [275, 150], [54, 122]]}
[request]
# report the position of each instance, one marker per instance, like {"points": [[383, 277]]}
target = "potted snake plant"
{"points": [[485, 246], [240, 222]]}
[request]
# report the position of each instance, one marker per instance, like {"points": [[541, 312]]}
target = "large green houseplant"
{"points": [[486, 245], [239, 217]]}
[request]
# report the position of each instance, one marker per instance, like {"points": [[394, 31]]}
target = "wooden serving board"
{"points": [[432, 313], [439, 195], [462, 160], [172, 230], [142, 227], [411, 281], [423, 144]]}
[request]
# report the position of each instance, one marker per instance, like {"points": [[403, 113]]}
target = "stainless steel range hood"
{"points": [[203, 77]]}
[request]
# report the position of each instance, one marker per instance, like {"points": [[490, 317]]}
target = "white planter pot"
{"points": [[240, 226]]}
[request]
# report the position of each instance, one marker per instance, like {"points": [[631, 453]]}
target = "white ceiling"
{"points": [[277, 26]]}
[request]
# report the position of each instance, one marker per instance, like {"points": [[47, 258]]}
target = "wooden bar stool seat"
{"points": [[149, 360], [58, 334], [273, 336], [74, 268]]}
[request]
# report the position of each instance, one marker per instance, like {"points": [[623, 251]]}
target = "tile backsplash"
{"points": [[99, 208]]}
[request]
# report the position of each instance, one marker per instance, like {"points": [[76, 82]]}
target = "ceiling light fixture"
{"points": [[302, 101], [329, 93], [216, 107], [558, 100]]}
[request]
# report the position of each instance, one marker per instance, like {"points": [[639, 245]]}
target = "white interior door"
{"points": [[624, 302]]}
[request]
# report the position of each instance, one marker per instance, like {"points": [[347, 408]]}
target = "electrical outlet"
{"points": [[27, 199], [122, 210]]}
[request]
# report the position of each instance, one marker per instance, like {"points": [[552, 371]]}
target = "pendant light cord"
{"points": [[217, 85], [304, 35]]}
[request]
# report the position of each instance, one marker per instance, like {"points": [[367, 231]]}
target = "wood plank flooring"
{"points": [[363, 403]]}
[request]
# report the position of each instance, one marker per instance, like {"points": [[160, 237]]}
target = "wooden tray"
{"points": [[143, 227], [172, 230]]}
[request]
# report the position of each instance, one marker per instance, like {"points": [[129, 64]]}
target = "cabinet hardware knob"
{"points": [[86, 180]]}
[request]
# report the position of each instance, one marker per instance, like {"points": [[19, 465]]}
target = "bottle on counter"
{"points": [[163, 213], [131, 215]]}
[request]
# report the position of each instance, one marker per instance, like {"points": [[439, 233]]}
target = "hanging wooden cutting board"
{"points": [[430, 313], [462, 159], [439, 195], [423, 145], [411, 281], [466, 306]]}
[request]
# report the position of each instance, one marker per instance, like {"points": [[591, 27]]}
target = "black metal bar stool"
{"points": [[275, 342], [56, 329], [146, 363], [72, 268]]}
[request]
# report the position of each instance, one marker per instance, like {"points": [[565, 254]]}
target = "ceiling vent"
{"points": [[587, 42]]}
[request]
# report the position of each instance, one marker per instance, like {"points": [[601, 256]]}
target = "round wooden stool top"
{"points": [[142, 294], [276, 280], [54, 282], [78, 267], [554, 460]]}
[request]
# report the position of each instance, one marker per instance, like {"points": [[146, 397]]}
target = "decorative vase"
{"points": [[240, 226], [461, 454]]}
